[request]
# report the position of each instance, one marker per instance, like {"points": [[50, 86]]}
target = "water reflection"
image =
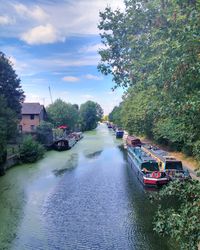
{"points": [[71, 164], [94, 154]]}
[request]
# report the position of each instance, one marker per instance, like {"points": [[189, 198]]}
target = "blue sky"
{"points": [[55, 43]]}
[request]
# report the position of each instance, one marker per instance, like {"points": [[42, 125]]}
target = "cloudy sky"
{"points": [[54, 43]]}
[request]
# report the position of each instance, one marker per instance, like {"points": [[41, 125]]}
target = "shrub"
{"points": [[179, 219], [31, 150], [196, 150], [45, 133]]}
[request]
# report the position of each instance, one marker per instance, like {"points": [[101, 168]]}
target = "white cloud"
{"points": [[93, 77], [70, 79], [6, 20], [92, 48], [58, 62], [34, 12], [19, 66], [33, 98], [68, 18], [41, 34]]}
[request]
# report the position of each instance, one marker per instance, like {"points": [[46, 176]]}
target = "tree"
{"points": [[153, 49], [180, 219], [105, 118], [45, 133], [11, 97], [90, 114], [62, 113], [10, 87], [31, 150], [115, 115]]}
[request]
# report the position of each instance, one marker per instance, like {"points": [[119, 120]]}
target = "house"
{"points": [[31, 116]]}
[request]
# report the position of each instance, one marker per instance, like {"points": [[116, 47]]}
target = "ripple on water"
{"points": [[97, 205]]}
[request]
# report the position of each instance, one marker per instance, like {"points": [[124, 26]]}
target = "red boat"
{"points": [[133, 141]]}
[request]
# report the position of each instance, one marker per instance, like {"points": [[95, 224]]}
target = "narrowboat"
{"points": [[146, 168], [119, 133], [63, 144], [133, 141], [168, 164]]}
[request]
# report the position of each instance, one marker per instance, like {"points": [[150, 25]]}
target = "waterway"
{"points": [[86, 198]]}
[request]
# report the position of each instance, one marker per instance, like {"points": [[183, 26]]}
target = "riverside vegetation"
{"points": [[58, 113], [152, 50]]}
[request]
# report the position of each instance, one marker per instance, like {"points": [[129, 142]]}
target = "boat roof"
{"points": [[161, 154], [142, 156]]}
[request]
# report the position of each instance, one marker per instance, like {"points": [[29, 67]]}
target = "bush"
{"points": [[179, 219], [31, 150], [45, 133], [196, 150]]}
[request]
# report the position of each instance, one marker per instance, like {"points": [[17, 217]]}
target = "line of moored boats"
{"points": [[152, 166], [66, 142]]}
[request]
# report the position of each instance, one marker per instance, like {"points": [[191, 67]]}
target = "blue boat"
{"points": [[119, 133]]}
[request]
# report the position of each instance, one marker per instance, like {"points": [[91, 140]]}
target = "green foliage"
{"points": [[62, 113], [180, 220], [31, 150], [58, 133], [11, 95], [10, 87], [153, 49], [45, 133], [90, 114], [105, 118], [116, 115], [196, 149]]}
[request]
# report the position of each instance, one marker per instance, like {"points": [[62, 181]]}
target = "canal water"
{"points": [[86, 198]]}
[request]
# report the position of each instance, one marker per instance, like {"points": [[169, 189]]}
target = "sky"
{"points": [[55, 43]]}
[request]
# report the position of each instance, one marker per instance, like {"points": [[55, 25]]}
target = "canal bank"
{"points": [[85, 198]]}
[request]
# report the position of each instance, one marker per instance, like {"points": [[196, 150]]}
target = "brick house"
{"points": [[31, 116]]}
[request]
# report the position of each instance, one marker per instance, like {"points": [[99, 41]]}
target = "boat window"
{"points": [[150, 166], [174, 165]]}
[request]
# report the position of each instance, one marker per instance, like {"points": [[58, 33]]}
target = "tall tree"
{"points": [[11, 97], [62, 113], [90, 114], [115, 115], [10, 85], [153, 48]]}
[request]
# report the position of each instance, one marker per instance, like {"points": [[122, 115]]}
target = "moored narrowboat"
{"points": [[119, 133], [168, 164], [133, 141], [146, 168]]}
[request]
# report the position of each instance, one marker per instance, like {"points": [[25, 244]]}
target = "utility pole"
{"points": [[50, 95]]}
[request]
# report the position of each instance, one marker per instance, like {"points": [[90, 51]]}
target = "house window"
{"points": [[32, 127], [32, 117]]}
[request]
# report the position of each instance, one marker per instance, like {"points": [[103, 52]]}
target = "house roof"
{"points": [[31, 108]]}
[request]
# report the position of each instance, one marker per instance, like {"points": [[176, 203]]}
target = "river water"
{"points": [[84, 198]]}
